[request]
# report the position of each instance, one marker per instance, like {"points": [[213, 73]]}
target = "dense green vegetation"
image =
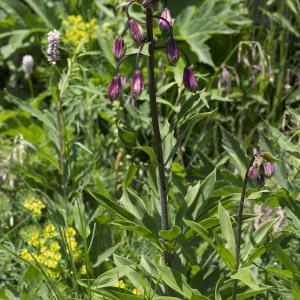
{"points": [[81, 203]]}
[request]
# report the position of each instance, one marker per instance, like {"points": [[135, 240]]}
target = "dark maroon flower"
{"points": [[114, 88], [136, 31], [149, 3], [137, 84], [173, 51], [260, 180], [189, 80], [164, 26], [118, 48], [269, 169]]}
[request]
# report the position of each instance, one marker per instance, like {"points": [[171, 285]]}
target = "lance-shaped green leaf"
{"points": [[226, 228]]}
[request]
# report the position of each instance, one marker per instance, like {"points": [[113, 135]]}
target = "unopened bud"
{"points": [[118, 48], [269, 168], [164, 26], [137, 84], [189, 80], [28, 63], [173, 51], [114, 88], [136, 31]]}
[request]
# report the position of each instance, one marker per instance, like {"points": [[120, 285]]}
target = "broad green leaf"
{"points": [[226, 228], [247, 277], [198, 24], [257, 237]]}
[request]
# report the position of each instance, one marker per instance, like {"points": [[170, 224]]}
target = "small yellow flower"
{"points": [[136, 292], [49, 231], [54, 246], [34, 240], [34, 205], [24, 253], [83, 270], [71, 231], [121, 284]]}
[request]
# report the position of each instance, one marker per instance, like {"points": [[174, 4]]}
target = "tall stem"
{"points": [[239, 227], [156, 132], [60, 139]]}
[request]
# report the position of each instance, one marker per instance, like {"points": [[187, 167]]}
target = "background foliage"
{"points": [[105, 240]]}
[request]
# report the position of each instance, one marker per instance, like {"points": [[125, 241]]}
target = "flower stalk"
{"points": [[258, 169], [155, 125], [239, 226]]}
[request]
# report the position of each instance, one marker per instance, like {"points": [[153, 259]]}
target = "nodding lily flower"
{"points": [[114, 88], [173, 51], [164, 26], [118, 48], [269, 169], [253, 173], [28, 63], [189, 80], [53, 43], [149, 3], [136, 31], [137, 84]]}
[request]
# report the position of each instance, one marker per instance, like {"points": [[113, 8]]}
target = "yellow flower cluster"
{"points": [[76, 30], [46, 250], [34, 205], [69, 237]]}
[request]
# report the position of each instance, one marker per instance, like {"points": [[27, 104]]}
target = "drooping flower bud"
{"points": [[269, 168], [53, 43], [253, 173], [173, 51], [118, 48], [137, 84], [164, 26], [149, 3], [114, 88], [189, 79], [27, 63], [136, 31]]}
